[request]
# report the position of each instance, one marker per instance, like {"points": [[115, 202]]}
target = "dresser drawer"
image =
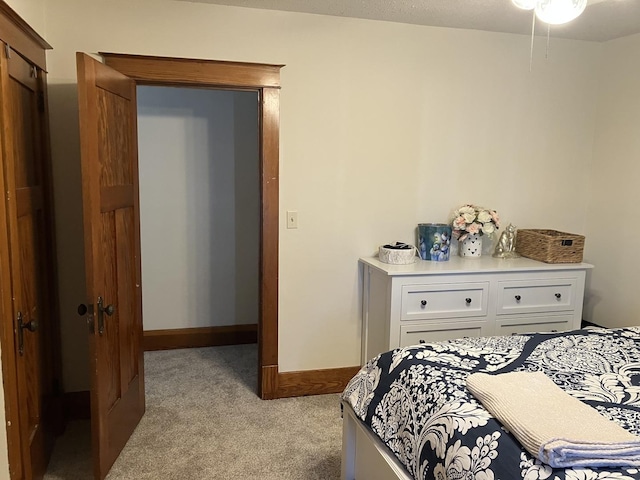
{"points": [[560, 323], [423, 302], [414, 335], [536, 296]]}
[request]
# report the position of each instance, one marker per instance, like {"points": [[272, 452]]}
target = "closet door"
{"points": [[23, 145]]}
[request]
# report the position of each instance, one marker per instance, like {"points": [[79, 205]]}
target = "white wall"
{"points": [[383, 126], [612, 226], [197, 206]]}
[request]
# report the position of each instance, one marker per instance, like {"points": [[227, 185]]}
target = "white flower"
{"points": [[484, 216], [467, 209], [488, 228], [469, 217]]}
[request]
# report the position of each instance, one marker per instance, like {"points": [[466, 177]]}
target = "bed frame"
{"points": [[364, 456]]}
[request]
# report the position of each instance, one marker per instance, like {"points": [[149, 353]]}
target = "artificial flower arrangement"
{"points": [[470, 219]]}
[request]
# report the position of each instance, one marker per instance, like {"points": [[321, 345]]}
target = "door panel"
{"points": [[30, 259], [111, 384], [130, 335], [108, 139], [23, 86]]}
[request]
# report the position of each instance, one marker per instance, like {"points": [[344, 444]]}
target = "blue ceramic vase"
{"points": [[434, 241]]}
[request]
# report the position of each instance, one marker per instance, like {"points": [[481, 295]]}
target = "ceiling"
{"points": [[602, 20]]}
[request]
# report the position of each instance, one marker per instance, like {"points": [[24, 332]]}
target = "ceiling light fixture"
{"points": [[525, 4], [557, 12], [553, 12]]}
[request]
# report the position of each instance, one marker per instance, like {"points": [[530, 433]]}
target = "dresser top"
{"points": [[483, 264]]}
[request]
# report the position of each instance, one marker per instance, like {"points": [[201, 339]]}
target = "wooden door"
{"points": [[23, 152], [108, 141]]}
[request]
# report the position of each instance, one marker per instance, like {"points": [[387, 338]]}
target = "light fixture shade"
{"points": [[525, 4], [557, 12]]}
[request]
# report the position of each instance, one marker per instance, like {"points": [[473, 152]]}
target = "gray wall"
{"points": [[199, 207]]}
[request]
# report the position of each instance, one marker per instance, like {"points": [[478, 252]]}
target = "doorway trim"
{"points": [[264, 79]]}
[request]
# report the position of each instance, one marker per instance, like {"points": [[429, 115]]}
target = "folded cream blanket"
{"points": [[557, 428]]}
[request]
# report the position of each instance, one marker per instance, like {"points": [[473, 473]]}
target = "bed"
{"points": [[408, 415]]}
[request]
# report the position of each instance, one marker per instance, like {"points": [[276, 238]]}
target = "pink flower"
{"points": [[459, 223], [473, 228]]}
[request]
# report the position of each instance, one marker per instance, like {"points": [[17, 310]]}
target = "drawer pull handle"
{"points": [[558, 296], [518, 298], [422, 341], [468, 300], [423, 303]]}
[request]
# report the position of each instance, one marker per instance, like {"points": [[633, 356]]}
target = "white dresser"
{"points": [[430, 301]]}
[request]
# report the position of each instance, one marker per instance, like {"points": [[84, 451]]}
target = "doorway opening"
{"points": [[198, 162]]}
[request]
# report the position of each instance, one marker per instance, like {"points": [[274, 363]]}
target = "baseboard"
{"points": [[314, 382], [199, 337], [77, 405]]}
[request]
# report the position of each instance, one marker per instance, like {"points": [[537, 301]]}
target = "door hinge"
{"points": [[41, 102], [7, 50]]}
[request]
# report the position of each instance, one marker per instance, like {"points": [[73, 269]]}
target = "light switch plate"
{"points": [[292, 219]]}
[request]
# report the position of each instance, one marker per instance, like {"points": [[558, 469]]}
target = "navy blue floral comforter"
{"points": [[415, 400]]}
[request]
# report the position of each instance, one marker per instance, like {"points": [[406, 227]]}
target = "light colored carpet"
{"points": [[204, 421]]}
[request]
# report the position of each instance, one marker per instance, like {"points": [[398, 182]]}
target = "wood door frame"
{"points": [[264, 79]]}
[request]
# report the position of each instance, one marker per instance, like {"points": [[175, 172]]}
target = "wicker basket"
{"points": [[550, 246]]}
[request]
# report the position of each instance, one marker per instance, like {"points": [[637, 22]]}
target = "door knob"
{"points": [[109, 310], [82, 309], [32, 326]]}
